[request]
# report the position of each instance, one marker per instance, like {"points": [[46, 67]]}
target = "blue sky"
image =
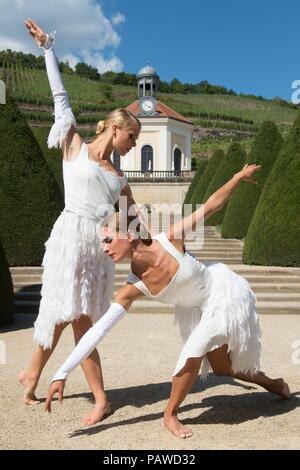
{"points": [[250, 46]]}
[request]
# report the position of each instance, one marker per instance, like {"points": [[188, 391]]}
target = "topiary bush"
{"points": [[30, 199], [6, 291], [53, 157], [274, 233], [242, 204], [206, 178], [200, 170], [233, 162]]}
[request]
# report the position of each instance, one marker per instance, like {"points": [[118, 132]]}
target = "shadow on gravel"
{"points": [[219, 409], [22, 321]]}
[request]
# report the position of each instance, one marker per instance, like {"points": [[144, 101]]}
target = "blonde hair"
{"points": [[120, 117]]}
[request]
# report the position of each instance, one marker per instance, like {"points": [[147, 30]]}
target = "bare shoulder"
{"points": [[72, 145]]}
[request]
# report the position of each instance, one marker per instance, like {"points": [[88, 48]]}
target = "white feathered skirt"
{"points": [[78, 277], [228, 317]]}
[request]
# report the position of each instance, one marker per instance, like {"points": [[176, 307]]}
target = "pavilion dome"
{"points": [[147, 70]]}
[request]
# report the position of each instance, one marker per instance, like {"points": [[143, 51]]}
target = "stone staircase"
{"points": [[277, 289]]}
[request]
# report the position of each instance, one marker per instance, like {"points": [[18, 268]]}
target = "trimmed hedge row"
{"points": [[30, 199], [53, 157], [233, 162], [242, 204], [193, 185], [206, 178], [6, 291], [274, 233]]}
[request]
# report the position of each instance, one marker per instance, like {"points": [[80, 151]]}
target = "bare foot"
{"points": [[176, 427], [29, 386], [98, 413], [281, 388]]}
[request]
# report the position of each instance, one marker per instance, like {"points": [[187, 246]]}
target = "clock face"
{"points": [[147, 106]]}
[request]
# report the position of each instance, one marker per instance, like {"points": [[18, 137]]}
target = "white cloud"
{"points": [[84, 33], [117, 19]]}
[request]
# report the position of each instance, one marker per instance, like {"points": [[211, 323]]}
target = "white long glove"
{"points": [[64, 118], [90, 340]]}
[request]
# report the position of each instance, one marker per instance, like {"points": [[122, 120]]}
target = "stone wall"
{"points": [[159, 195]]}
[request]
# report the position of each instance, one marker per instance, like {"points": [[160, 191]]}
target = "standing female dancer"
{"points": [[215, 308], [78, 277]]}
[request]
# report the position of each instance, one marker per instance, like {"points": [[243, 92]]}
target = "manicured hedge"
{"points": [[206, 178], [241, 206], [233, 162], [30, 199], [52, 156], [273, 237], [6, 291], [200, 170]]}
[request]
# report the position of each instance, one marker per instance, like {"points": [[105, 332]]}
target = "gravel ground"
{"points": [[138, 358]]}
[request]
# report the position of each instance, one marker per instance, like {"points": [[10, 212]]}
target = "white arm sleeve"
{"points": [[64, 118], [90, 340]]}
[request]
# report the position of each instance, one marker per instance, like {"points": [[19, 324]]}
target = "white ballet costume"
{"points": [[214, 306], [78, 277]]}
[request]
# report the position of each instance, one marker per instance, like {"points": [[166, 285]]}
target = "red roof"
{"points": [[162, 109]]}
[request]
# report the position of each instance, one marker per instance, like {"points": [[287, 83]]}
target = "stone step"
{"points": [[258, 277], [290, 290], [152, 307], [199, 245], [202, 253], [26, 269], [269, 287], [252, 279], [239, 268], [33, 298], [29, 278], [24, 286], [272, 279], [282, 308], [278, 270], [278, 297]]}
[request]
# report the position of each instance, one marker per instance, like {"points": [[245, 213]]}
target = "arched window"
{"points": [[116, 160], [147, 159], [177, 161]]}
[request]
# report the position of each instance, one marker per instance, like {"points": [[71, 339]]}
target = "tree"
{"points": [[87, 71], [199, 172], [231, 164], [242, 204], [30, 199], [6, 291], [52, 156], [274, 233], [206, 178]]}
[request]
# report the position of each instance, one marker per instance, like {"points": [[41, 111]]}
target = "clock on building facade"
{"points": [[147, 105]]}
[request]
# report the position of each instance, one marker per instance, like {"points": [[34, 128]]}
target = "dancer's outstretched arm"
{"points": [[123, 300], [63, 132], [215, 203]]}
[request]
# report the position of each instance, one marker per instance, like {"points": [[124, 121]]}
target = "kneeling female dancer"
{"points": [[227, 335], [78, 278]]}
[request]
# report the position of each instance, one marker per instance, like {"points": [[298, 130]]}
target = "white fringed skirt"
{"points": [[228, 317], [78, 277]]}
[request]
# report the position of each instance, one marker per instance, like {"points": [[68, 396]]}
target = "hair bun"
{"points": [[100, 127]]}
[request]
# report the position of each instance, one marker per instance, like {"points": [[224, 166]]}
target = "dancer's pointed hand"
{"points": [[56, 387], [246, 173], [36, 32]]}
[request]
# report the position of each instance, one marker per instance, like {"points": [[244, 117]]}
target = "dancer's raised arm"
{"points": [[63, 132], [214, 204]]}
